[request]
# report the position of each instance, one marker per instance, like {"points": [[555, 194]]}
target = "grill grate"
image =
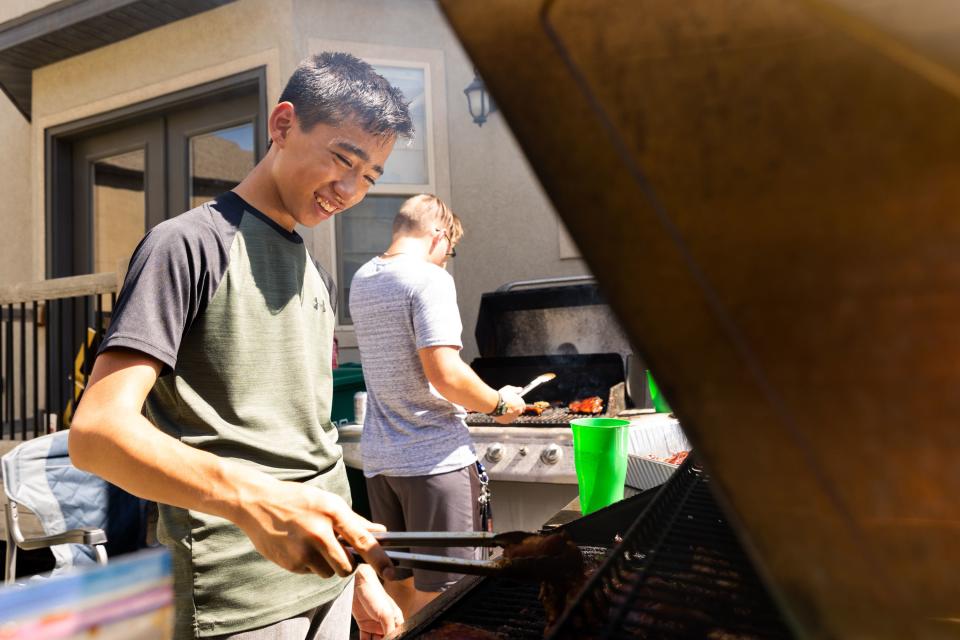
{"points": [[505, 606], [679, 573], [553, 417]]}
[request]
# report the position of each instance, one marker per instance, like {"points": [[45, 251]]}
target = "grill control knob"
{"points": [[551, 454], [494, 452]]}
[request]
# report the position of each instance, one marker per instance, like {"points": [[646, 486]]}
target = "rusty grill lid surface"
{"points": [[785, 174]]}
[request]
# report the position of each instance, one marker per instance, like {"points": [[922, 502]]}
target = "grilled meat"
{"points": [[561, 578], [536, 409], [591, 405], [458, 631], [676, 458]]}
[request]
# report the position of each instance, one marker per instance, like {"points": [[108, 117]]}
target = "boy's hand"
{"points": [[296, 526], [376, 613]]}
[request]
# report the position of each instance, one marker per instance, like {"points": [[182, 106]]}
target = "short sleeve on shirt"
{"points": [[436, 318], [172, 275]]}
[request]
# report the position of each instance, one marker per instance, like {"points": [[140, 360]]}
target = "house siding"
{"points": [[16, 219], [512, 232]]}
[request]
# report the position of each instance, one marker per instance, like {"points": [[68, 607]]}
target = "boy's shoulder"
{"points": [[218, 217]]}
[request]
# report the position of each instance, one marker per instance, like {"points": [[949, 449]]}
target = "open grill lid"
{"points": [[545, 317], [785, 174]]}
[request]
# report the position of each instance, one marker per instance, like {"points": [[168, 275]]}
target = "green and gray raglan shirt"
{"points": [[242, 319]]}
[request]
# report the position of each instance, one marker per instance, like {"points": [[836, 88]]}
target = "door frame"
{"points": [[200, 119], [59, 205], [144, 134]]}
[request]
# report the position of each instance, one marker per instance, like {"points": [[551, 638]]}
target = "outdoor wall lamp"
{"points": [[478, 101]]}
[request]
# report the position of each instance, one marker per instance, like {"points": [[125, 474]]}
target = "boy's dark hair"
{"points": [[333, 87]]}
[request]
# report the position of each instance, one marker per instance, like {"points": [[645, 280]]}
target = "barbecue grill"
{"points": [[534, 327], [679, 572], [523, 330], [531, 327]]}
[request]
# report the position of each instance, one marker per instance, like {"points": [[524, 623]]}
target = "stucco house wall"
{"points": [[512, 232], [12, 9], [16, 217]]}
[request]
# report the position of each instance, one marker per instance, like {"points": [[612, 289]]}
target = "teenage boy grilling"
{"points": [[222, 333]]}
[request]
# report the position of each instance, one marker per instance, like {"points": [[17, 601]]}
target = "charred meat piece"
{"points": [[536, 409], [677, 458], [458, 631], [720, 634], [562, 572], [591, 405]]}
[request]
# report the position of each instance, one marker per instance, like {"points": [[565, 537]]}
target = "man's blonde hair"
{"points": [[423, 213]]}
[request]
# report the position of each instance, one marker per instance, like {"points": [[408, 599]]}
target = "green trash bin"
{"points": [[347, 380]]}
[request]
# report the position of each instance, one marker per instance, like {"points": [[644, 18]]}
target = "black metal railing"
{"points": [[49, 333]]}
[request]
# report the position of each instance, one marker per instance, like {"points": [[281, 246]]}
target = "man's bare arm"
{"points": [[292, 524], [460, 384]]}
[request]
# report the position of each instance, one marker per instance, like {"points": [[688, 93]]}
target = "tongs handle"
{"points": [[439, 563], [410, 560], [448, 538]]}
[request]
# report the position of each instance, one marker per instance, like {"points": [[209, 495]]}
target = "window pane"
{"points": [[408, 162], [219, 161], [363, 231], [119, 208]]}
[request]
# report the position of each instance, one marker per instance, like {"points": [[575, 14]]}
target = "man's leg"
{"points": [[442, 502], [385, 508]]}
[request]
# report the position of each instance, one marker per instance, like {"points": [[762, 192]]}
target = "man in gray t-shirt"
{"points": [[417, 453]]}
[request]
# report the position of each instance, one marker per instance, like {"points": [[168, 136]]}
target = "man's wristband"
{"points": [[501, 407]]}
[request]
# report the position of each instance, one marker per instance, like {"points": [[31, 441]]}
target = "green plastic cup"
{"points": [[600, 456]]}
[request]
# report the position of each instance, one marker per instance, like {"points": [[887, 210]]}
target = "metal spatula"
{"points": [[536, 382]]}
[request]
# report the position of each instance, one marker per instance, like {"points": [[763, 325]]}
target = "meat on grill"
{"points": [[591, 405], [676, 458], [459, 631], [536, 409], [562, 576]]}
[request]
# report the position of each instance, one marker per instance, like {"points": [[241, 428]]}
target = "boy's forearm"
{"points": [[128, 451]]}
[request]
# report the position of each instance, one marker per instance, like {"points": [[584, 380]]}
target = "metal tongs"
{"points": [[496, 566]]}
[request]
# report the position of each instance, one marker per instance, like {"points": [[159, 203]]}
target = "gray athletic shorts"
{"points": [[442, 502]]}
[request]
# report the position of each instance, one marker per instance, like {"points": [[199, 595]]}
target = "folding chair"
{"points": [[71, 504]]}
